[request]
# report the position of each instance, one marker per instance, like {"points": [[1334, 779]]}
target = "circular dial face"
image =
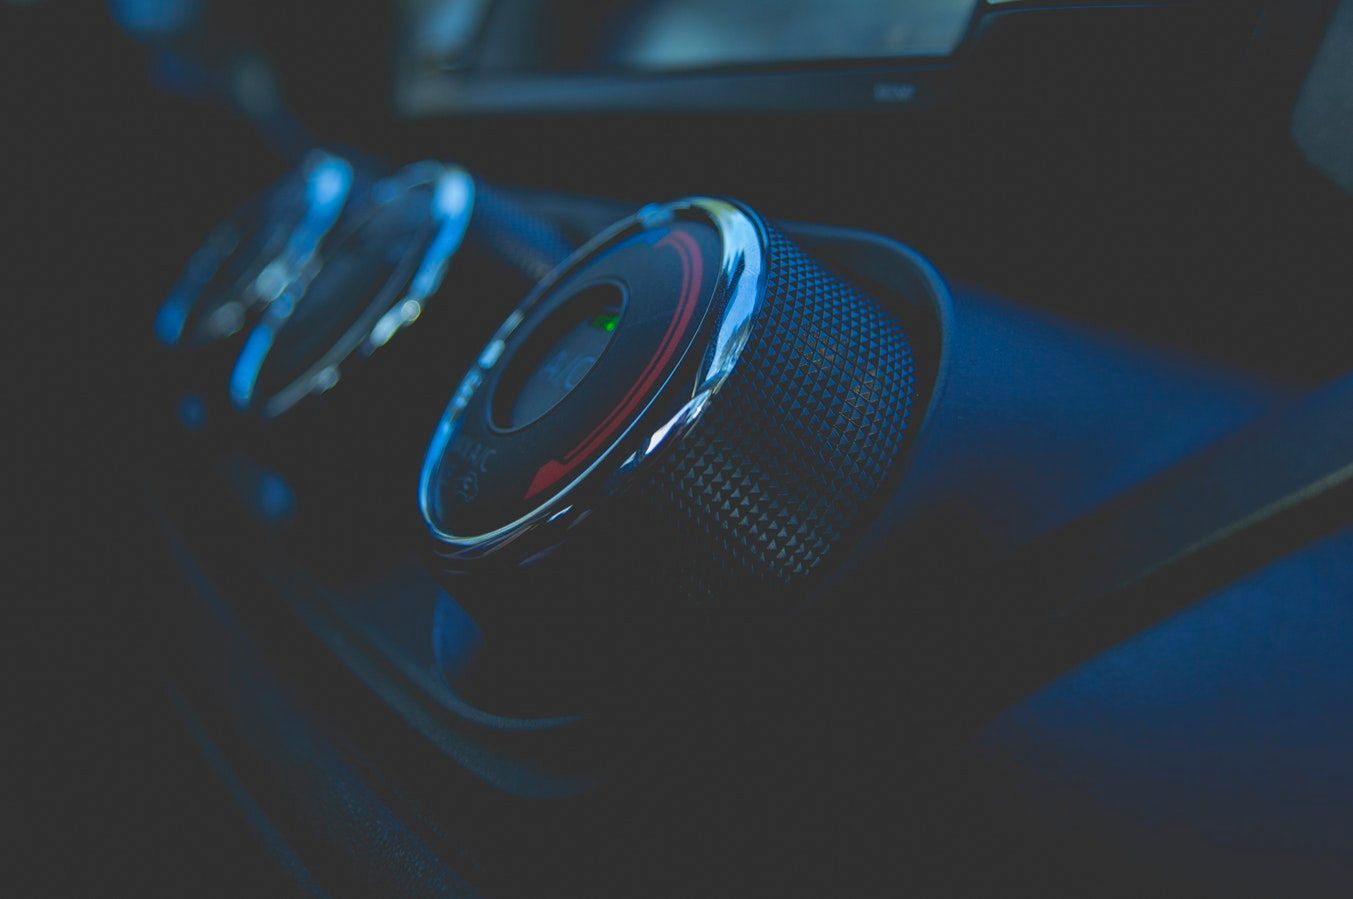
{"points": [[241, 248], [361, 276], [557, 355], [588, 358]]}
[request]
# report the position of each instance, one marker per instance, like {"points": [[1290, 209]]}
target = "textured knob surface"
{"points": [[753, 404], [801, 437]]}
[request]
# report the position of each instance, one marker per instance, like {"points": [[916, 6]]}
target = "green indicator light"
{"points": [[606, 321]]}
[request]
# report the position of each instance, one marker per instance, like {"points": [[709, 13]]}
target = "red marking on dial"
{"points": [[688, 250]]}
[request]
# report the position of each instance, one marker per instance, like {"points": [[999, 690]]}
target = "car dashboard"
{"points": [[672, 447]]}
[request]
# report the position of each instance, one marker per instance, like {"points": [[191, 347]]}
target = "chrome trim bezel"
{"points": [[328, 183], [738, 289], [453, 206]]}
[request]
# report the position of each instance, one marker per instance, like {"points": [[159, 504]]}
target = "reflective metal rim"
{"points": [[738, 289], [453, 203], [328, 183]]}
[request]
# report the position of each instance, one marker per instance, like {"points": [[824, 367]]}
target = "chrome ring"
{"points": [[327, 181], [738, 289], [452, 205]]}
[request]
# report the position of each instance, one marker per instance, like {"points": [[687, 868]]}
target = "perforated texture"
{"points": [[801, 437], [523, 241], [784, 464]]}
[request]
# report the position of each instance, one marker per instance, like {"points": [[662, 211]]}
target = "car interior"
{"points": [[677, 447]]}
